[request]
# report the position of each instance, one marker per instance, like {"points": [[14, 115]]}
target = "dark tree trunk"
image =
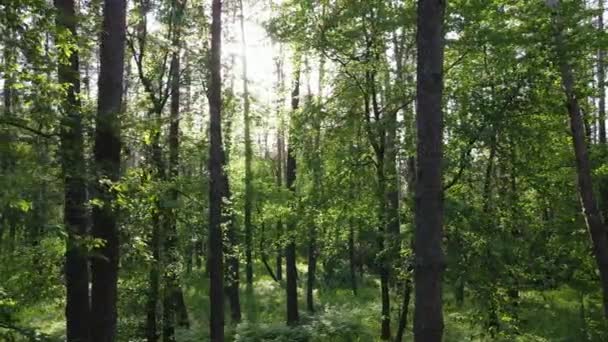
{"points": [[231, 254], [264, 255], [290, 249], [493, 323], [312, 231], [160, 219], [429, 259], [107, 162], [172, 295], [152, 333], [407, 294], [351, 257], [77, 308], [595, 224], [383, 262], [279, 258], [601, 77], [280, 163], [216, 181], [312, 269], [232, 263], [182, 311]]}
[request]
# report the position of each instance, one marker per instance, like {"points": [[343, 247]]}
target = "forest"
{"points": [[303, 170]]}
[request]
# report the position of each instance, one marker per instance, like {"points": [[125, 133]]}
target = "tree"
{"points": [[77, 309], [217, 180], [248, 155], [174, 310], [429, 260], [107, 164], [601, 76], [593, 216], [293, 315]]}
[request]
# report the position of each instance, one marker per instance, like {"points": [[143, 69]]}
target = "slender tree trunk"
{"points": [[407, 294], [601, 77], [152, 333], [316, 192], [264, 255], [429, 258], [73, 166], [231, 247], [595, 224], [351, 257], [493, 322], [232, 262], [248, 156], [182, 311], [290, 250], [107, 162], [385, 332], [173, 295], [280, 162], [216, 181], [279, 258]]}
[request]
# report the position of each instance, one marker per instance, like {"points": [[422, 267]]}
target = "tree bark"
{"points": [[593, 217], [77, 308], [429, 259], [107, 162], [407, 293], [316, 194], [216, 180], [153, 294], [248, 156], [351, 257], [601, 77], [280, 162], [290, 250], [173, 296], [232, 261]]}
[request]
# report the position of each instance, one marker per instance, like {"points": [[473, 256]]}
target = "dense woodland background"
{"points": [[303, 170]]}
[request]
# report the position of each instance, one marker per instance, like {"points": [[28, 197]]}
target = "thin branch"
{"points": [[25, 127]]}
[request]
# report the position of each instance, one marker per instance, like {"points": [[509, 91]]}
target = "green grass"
{"points": [[343, 317], [541, 316]]}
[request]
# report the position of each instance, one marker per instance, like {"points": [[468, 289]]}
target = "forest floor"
{"points": [[555, 316]]}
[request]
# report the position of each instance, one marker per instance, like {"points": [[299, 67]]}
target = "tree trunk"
{"points": [[152, 334], [316, 193], [290, 250], [601, 84], [383, 262], [593, 217], [172, 295], [280, 162], [232, 262], [77, 308], [429, 258], [107, 162], [493, 323], [248, 156], [407, 293], [351, 257], [216, 181]]}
